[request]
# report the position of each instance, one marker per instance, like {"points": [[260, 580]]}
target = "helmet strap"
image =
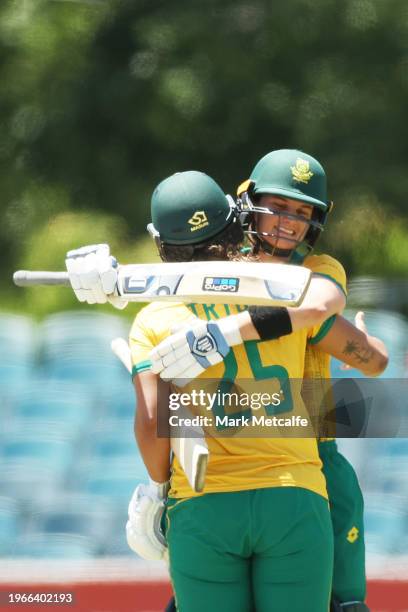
{"points": [[274, 251]]}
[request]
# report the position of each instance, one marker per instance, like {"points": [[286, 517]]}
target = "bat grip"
{"points": [[26, 278]]}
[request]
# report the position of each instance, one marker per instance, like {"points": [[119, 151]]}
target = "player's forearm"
{"points": [[322, 300], [355, 348], [368, 354], [246, 327], [152, 399], [155, 451], [299, 318], [381, 357]]}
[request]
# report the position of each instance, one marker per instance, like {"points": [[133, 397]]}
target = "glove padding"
{"points": [[186, 354], [93, 275], [143, 533]]}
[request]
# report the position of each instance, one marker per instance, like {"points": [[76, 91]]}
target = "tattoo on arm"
{"points": [[361, 354]]}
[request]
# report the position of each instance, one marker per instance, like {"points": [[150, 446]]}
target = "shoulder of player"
{"points": [[314, 262], [158, 307], [328, 266], [154, 312]]}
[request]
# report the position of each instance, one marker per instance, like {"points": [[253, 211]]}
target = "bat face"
{"points": [[225, 282], [147, 284], [215, 282]]}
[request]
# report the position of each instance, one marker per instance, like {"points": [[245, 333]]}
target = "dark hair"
{"points": [[225, 245]]}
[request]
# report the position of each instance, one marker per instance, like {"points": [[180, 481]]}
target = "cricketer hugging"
{"points": [[246, 522]]}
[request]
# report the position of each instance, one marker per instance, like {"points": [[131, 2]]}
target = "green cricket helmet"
{"points": [[189, 208], [292, 174]]}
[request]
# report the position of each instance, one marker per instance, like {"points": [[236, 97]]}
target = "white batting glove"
{"points": [[143, 532], [186, 354], [93, 275]]}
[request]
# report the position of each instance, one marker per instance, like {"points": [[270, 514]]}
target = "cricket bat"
{"points": [[192, 452], [202, 282]]}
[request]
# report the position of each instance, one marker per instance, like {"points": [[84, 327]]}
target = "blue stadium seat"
{"points": [[115, 479], [28, 480], [384, 526], [76, 346], [397, 449], [54, 546], [119, 486], [50, 406], [17, 351], [15, 374], [33, 465], [79, 370], [80, 333], [114, 443], [119, 401], [9, 524], [116, 544], [83, 322], [92, 520], [57, 453]]}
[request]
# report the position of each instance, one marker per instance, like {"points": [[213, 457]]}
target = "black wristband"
{"points": [[270, 322]]}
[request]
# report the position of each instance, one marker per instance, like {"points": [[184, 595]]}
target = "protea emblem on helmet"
{"points": [[301, 172], [198, 220]]}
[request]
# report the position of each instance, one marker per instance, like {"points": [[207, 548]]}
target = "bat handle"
{"points": [[27, 278]]}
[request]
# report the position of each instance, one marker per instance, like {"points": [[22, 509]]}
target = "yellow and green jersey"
{"points": [[240, 463], [317, 363]]}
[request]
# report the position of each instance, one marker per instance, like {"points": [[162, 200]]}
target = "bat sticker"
{"points": [[221, 284]]}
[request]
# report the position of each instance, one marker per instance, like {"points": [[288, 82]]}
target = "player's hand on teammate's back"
{"points": [[93, 275], [187, 353], [143, 531]]}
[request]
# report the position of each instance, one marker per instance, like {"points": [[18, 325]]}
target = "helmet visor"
{"points": [[283, 228]]}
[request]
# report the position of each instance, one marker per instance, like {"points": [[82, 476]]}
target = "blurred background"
{"points": [[99, 101]]}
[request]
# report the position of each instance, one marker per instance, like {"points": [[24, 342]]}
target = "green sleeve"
{"points": [[323, 331], [142, 366]]}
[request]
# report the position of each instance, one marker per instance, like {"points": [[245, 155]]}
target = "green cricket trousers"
{"points": [[263, 550]]}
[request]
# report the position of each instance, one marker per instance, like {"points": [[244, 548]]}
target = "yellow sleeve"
{"points": [[141, 343], [328, 267], [153, 324]]}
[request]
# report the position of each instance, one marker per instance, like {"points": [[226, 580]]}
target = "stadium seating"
{"points": [[68, 459], [80, 331], [76, 346], [82, 515], [112, 478], [385, 525], [118, 402], [112, 442], [9, 524], [17, 350], [53, 546], [62, 409]]}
